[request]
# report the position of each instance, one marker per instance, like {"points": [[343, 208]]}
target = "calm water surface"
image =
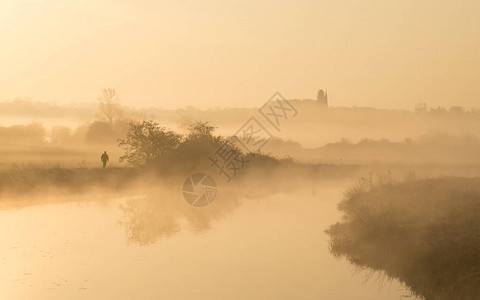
{"points": [[132, 248]]}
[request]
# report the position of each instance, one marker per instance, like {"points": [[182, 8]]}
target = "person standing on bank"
{"points": [[104, 159]]}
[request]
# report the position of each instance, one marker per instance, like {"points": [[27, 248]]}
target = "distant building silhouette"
{"points": [[322, 97]]}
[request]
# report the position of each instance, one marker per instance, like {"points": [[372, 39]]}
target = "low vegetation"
{"points": [[423, 232]]}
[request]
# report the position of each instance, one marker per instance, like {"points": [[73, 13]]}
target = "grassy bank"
{"points": [[21, 181], [33, 184], [426, 233]]}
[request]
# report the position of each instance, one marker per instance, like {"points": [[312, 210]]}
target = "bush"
{"points": [[146, 143]]}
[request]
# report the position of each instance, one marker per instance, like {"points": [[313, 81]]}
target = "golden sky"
{"points": [[174, 53]]}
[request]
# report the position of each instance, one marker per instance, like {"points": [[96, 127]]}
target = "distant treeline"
{"points": [[316, 134], [425, 149], [325, 125], [90, 133], [26, 107]]}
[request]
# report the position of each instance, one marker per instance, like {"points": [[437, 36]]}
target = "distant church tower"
{"points": [[322, 98]]}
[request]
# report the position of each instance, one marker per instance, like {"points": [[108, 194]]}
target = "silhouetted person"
{"points": [[104, 159]]}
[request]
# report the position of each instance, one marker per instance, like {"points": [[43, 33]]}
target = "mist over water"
{"points": [[155, 244]]}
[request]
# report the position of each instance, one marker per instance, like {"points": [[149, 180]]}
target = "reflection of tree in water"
{"points": [[146, 221], [149, 218], [163, 212], [424, 233]]}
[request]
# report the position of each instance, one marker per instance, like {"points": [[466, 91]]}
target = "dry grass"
{"points": [[30, 179], [423, 232]]}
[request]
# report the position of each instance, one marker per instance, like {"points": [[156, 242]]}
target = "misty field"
{"points": [[423, 232]]}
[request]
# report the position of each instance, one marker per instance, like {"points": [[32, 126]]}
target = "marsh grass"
{"points": [[426, 233], [28, 183], [40, 179]]}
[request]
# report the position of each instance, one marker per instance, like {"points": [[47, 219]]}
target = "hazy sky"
{"points": [[174, 53]]}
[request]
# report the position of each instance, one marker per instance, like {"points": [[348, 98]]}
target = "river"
{"points": [[131, 248]]}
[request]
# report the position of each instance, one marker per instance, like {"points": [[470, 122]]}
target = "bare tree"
{"points": [[59, 134], [110, 105]]}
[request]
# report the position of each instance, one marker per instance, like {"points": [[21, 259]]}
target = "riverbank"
{"points": [[423, 232]]}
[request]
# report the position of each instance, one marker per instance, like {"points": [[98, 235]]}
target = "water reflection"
{"points": [[267, 236], [148, 218], [162, 212]]}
